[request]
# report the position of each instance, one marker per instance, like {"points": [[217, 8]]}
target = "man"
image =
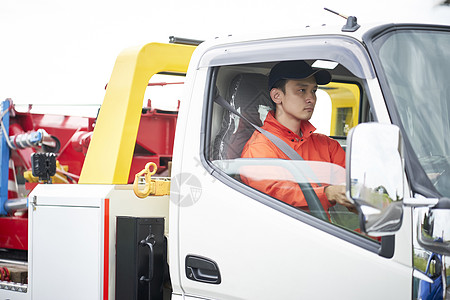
{"points": [[293, 86]]}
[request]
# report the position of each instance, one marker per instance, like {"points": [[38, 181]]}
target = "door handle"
{"points": [[202, 269], [151, 258]]}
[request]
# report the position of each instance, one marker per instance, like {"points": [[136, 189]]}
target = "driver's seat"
{"points": [[249, 95]]}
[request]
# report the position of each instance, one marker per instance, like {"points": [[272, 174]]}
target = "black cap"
{"points": [[297, 69]]}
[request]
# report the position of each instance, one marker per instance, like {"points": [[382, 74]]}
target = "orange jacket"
{"points": [[310, 146]]}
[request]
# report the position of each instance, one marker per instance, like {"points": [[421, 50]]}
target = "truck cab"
{"points": [[260, 246]]}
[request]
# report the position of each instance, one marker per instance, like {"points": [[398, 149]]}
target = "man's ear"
{"points": [[276, 95]]}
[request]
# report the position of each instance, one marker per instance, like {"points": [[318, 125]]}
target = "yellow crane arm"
{"points": [[110, 152]]}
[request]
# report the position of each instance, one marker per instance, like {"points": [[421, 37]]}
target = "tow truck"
{"points": [[203, 233]]}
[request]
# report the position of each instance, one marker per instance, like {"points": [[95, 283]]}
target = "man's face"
{"points": [[299, 100]]}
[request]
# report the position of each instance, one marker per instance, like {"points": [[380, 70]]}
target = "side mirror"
{"points": [[434, 228], [375, 175]]}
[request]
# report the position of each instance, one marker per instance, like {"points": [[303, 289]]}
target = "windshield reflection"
{"points": [[293, 171], [280, 169]]}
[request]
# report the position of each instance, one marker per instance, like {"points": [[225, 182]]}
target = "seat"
{"points": [[249, 95]]}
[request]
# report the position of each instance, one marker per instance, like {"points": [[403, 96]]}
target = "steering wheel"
{"points": [[315, 207]]}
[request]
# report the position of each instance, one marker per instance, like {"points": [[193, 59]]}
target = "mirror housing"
{"points": [[433, 228], [375, 175]]}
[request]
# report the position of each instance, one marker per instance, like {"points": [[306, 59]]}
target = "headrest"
{"points": [[248, 94]]}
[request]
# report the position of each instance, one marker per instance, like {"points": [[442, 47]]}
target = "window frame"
{"points": [[278, 205]]}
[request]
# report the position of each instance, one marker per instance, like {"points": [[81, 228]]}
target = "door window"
{"points": [[298, 183]]}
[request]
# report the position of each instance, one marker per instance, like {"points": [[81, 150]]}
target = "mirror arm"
{"points": [[387, 246], [419, 201]]}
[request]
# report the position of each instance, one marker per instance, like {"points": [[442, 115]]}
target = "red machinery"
{"points": [[68, 137]]}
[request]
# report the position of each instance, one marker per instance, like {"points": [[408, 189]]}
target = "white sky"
{"points": [[60, 52]]}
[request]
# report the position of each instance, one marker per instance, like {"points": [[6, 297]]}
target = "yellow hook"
{"points": [[148, 182]]}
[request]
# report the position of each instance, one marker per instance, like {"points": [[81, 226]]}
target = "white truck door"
{"points": [[236, 242]]}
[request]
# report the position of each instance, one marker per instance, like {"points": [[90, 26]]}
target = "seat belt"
{"points": [[315, 207]]}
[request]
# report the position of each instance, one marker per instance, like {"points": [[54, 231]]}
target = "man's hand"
{"points": [[336, 194]]}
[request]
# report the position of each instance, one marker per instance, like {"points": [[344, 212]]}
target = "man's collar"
{"points": [[305, 126]]}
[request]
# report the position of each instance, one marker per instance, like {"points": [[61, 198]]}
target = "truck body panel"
{"points": [[80, 236], [282, 258]]}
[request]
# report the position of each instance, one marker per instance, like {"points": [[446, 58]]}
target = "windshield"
{"points": [[416, 66]]}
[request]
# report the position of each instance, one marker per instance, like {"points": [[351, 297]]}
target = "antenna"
{"points": [[184, 41], [352, 23]]}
